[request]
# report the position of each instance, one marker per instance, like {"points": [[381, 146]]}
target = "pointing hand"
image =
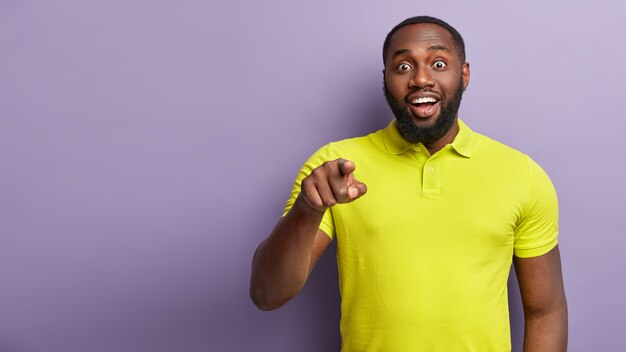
{"points": [[332, 183]]}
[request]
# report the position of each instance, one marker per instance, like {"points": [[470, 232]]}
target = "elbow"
{"points": [[555, 310], [270, 295], [263, 300], [265, 306], [270, 290]]}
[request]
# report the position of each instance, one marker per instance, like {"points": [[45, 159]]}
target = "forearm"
{"points": [[281, 264], [546, 331]]}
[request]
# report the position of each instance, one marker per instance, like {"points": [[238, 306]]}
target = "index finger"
{"points": [[346, 167]]}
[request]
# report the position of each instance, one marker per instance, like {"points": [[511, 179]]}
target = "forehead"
{"points": [[421, 35]]}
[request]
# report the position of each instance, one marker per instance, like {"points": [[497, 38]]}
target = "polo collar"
{"points": [[462, 143], [396, 144]]}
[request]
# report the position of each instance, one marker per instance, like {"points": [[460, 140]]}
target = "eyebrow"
{"points": [[436, 47], [400, 52]]}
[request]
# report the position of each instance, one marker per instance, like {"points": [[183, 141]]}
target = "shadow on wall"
{"points": [[516, 312]]}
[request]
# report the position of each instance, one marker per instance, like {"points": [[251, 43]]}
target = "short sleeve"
{"points": [[537, 230], [318, 158]]}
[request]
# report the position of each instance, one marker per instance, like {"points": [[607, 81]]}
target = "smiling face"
{"points": [[424, 80]]}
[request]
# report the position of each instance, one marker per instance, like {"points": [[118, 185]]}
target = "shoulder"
{"points": [[510, 165], [502, 156], [488, 147], [353, 147], [525, 173]]}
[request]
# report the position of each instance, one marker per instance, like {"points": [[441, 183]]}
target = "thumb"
{"points": [[357, 190]]}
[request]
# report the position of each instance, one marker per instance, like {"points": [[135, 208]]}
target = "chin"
{"points": [[425, 122]]}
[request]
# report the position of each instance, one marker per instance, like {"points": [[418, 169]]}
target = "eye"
{"points": [[404, 67], [439, 64]]}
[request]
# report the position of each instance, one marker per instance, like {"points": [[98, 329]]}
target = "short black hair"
{"points": [[456, 36]]}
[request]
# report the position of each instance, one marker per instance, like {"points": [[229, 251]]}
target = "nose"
{"points": [[422, 78]]}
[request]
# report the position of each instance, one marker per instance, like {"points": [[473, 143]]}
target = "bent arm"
{"points": [[543, 297], [282, 263]]}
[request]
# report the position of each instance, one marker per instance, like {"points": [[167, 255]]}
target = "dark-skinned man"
{"points": [[428, 217]]}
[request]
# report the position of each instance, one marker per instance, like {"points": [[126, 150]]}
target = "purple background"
{"points": [[147, 147]]}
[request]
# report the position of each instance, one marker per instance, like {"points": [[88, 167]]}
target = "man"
{"points": [[428, 217]]}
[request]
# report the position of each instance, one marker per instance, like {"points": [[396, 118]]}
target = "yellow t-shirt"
{"points": [[424, 256]]}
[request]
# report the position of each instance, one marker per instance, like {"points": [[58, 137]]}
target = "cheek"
{"points": [[397, 88], [451, 83]]}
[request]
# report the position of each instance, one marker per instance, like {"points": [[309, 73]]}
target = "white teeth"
{"points": [[424, 100]]}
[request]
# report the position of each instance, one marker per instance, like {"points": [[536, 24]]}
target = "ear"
{"points": [[465, 73], [384, 75]]}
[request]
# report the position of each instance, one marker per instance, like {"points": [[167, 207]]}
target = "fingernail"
{"points": [[352, 192]]}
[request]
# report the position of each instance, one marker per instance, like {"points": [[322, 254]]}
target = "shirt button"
{"points": [[417, 149], [431, 169]]}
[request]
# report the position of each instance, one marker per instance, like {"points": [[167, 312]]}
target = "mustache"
{"points": [[388, 95]]}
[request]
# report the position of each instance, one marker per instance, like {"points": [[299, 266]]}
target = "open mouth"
{"points": [[424, 107]]}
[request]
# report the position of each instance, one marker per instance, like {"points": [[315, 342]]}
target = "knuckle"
{"points": [[319, 171], [318, 205], [314, 203]]}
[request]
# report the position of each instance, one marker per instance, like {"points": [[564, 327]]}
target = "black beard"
{"points": [[425, 135]]}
